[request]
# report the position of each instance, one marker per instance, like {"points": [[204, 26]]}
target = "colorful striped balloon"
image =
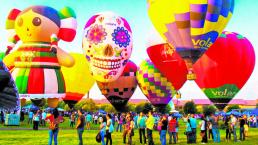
{"points": [[154, 85], [191, 26]]}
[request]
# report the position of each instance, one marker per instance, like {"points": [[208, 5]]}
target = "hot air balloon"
{"points": [[191, 26], [107, 43], [120, 91], [36, 63], [78, 80], [174, 70], [224, 69], [154, 85], [9, 98]]}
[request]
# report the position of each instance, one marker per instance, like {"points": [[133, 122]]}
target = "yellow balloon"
{"points": [[78, 79]]}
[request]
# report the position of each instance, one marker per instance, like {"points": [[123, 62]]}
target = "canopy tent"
{"points": [[102, 111], [234, 112], [50, 109], [255, 112], [31, 107], [220, 113]]}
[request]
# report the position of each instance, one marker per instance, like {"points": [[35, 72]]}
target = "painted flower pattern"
{"points": [[96, 34], [121, 37]]}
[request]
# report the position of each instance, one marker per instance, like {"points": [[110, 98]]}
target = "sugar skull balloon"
{"points": [[107, 43], [36, 63]]}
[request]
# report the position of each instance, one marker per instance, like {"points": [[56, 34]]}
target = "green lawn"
{"points": [[67, 136]]}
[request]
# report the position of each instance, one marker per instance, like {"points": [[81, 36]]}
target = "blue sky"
{"points": [[244, 21]]}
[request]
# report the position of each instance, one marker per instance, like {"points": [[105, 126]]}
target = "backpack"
{"points": [[98, 138], [111, 127]]}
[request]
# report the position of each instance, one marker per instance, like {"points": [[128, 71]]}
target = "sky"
{"points": [[244, 21]]}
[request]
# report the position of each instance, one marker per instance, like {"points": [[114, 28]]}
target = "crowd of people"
{"points": [[145, 124], [128, 123]]}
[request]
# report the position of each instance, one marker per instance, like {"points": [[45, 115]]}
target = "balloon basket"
{"points": [[191, 76], [52, 102]]}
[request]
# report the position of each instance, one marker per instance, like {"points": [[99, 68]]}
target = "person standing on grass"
{"points": [[130, 129], [36, 120], [125, 128], [88, 121], [96, 119], [2, 117], [103, 129], [172, 130], [80, 126], [109, 129], [72, 119], [177, 128], [163, 131], [150, 124], [203, 126], [53, 120], [215, 128], [228, 128], [234, 126], [188, 130], [210, 135], [119, 123], [30, 117], [135, 119], [44, 115], [193, 123], [142, 125], [242, 123]]}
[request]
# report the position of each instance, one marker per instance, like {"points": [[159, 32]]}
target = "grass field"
{"points": [[67, 136]]}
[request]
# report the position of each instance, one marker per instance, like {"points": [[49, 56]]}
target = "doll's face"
{"points": [[33, 27]]}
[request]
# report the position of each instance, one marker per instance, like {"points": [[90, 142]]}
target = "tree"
{"points": [[108, 108], [208, 110], [190, 108], [143, 107], [232, 107], [87, 105], [257, 105], [61, 104]]}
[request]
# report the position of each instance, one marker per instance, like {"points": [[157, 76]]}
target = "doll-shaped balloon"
{"points": [[107, 43], [35, 65]]}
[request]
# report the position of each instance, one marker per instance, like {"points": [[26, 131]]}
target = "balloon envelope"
{"points": [[120, 91], [190, 26], [9, 98], [37, 60], [154, 85], [78, 79], [225, 68], [168, 63], [107, 44]]}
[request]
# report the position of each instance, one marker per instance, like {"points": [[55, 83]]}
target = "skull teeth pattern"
{"points": [[106, 64]]}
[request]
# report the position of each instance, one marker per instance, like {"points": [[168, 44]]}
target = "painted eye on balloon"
{"points": [[36, 21], [20, 22]]}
